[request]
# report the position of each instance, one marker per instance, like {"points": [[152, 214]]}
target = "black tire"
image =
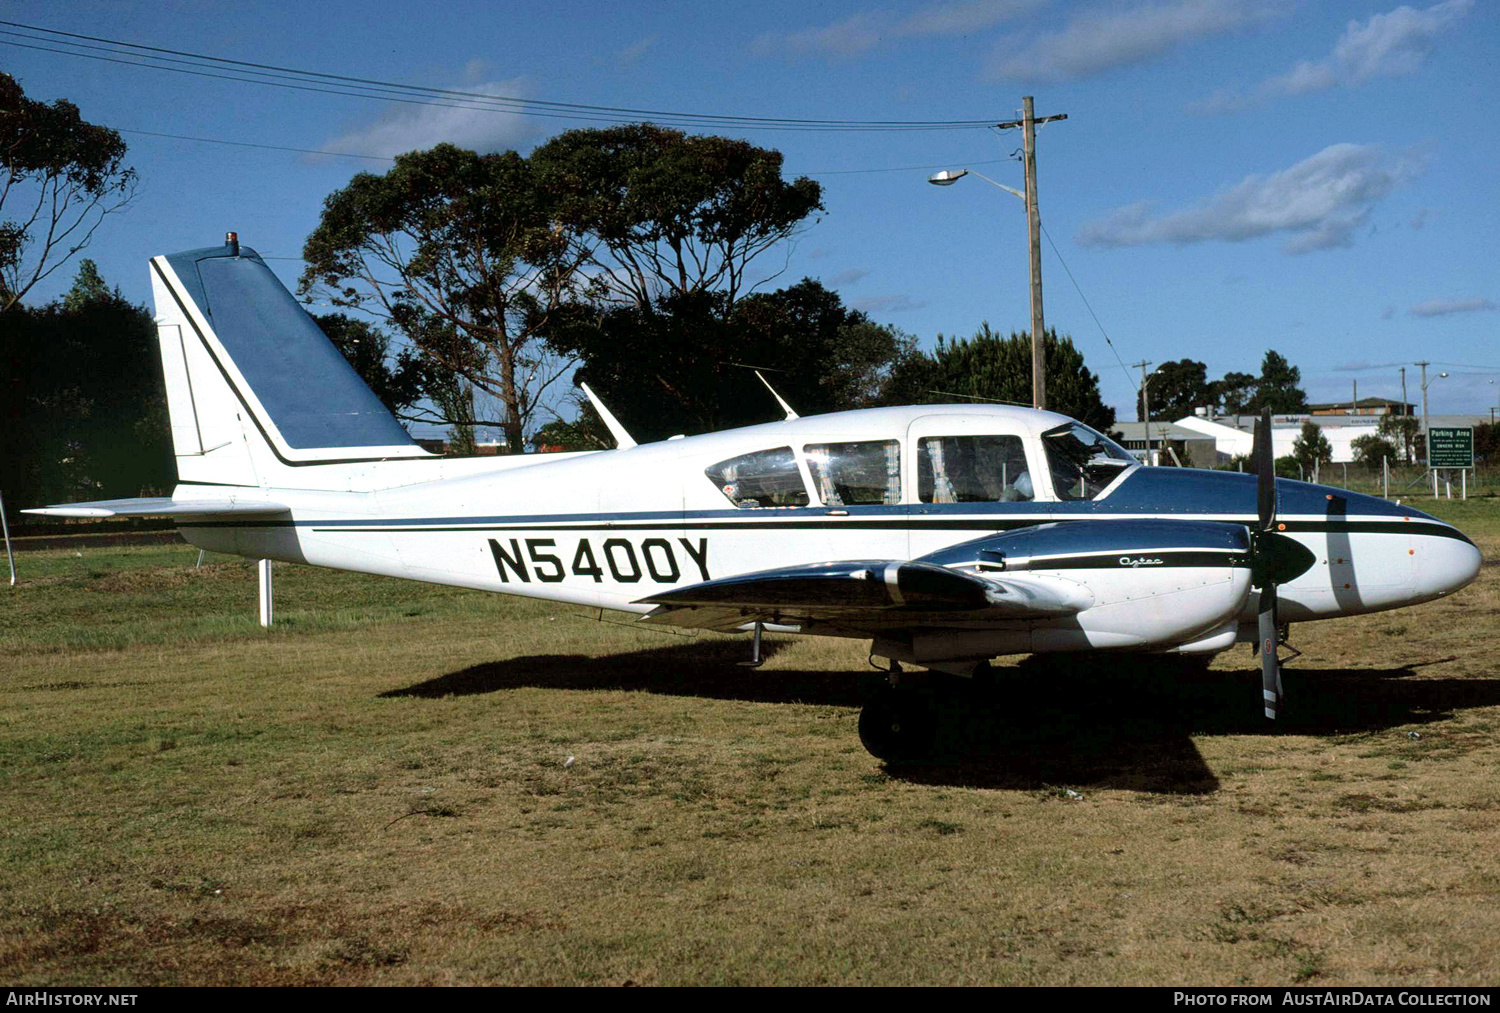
{"points": [[897, 726]]}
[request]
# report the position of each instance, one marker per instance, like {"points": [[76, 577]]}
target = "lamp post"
{"points": [[1038, 374], [1425, 383], [1426, 436]]}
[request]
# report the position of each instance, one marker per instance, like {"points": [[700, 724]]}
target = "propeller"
{"points": [[1266, 544]]}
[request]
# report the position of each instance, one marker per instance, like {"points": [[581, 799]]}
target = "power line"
{"points": [[272, 75], [248, 144], [392, 158], [1128, 378], [896, 168]]}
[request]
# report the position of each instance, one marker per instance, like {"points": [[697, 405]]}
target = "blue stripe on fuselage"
{"points": [[1148, 492]]}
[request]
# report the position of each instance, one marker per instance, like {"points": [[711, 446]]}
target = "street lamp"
{"points": [[948, 177], [1425, 383], [1426, 433]]}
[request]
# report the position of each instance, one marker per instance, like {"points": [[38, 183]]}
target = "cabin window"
{"points": [[972, 469], [766, 478], [1083, 463], [856, 474]]}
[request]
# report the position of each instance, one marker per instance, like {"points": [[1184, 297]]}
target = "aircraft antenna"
{"points": [[623, 440], [784, 406], [976, 397]]}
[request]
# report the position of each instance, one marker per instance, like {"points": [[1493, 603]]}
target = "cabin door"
{"points": [[968, 476]]}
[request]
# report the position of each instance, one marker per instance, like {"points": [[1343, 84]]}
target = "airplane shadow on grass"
{"points": [[1120, 722]]}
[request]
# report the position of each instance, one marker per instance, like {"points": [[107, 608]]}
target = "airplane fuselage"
{"points": [[945, 535], [611, 528]]}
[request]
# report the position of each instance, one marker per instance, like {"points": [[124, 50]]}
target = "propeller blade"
{"points": [[1265, 471], [1270, 663]]}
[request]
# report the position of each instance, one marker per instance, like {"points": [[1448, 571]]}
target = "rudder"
{"points": [[253, 385]]}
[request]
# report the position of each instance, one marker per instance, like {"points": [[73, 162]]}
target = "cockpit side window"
{"points": [[972, 469], [1083, 463], [765, 478], [856, 474]]}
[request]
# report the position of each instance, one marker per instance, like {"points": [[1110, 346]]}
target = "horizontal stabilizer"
{"points": [[161, 506]]}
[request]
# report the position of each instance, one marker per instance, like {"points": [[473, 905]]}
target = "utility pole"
{"points": [[1405, 410], [1028, 123], [1424, 366], [1145, 404]]}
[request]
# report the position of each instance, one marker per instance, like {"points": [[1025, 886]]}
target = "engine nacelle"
{"points": [[1156, 584]]}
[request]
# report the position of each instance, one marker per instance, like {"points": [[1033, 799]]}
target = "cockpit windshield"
{"points": [[1083, 462]]}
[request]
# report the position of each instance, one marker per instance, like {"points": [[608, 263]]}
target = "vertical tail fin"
{"points": [[254, 388]]}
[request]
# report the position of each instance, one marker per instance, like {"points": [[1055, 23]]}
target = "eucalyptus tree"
{"points": [[59, 177], [461, 252]]}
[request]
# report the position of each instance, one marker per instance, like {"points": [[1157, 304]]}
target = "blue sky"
{"points": [[1234, 175]]}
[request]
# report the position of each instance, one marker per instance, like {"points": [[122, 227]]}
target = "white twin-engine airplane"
{"points": [[944, 534]]}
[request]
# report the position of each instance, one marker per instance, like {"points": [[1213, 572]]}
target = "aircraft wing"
{"points": [[163, 507], [864, 595]]}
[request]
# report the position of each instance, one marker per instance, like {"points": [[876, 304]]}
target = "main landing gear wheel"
{"points": [[897, 725]]}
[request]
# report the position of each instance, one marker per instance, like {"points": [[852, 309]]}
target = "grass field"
{"points": [[376, 791]]}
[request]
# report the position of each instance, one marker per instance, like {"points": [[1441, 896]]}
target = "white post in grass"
{"points": [[9, 558], [265, 592]]}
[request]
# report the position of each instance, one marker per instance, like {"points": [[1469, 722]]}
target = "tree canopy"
{"points": [[1311, 448], [684, 364], [85, 412], [1403, 430], [634, 231], [990, 367], [459, 251], [1234, 393], [1175, 389], [665, 215], [62, 176], [1371, 450], [1277, 388]]}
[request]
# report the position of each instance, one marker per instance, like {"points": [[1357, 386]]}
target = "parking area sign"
{"points": [[1450, 447]]}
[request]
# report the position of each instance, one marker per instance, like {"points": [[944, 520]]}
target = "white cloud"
{"points": [[1443, 307], [965, 17], [1301, 79], [1387, 45], [1093, 43], [864, 30], [634, 53], [849, 37], [418, 127], [1318, 203], [1394, 44], [848, 277], [887, 304], [476, 70]]}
